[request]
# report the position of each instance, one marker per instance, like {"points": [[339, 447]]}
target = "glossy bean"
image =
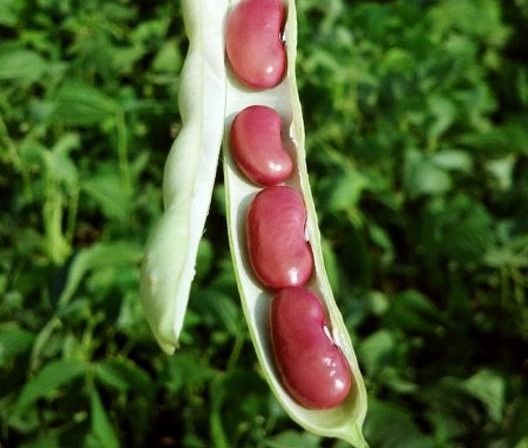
{"points": [[275, 232], [312, 368], [257, 147], [253, 42]]}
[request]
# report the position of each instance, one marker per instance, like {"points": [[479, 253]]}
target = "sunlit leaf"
{"points": [[423, 176], [490, 388], [453, 160], [20, 64]]}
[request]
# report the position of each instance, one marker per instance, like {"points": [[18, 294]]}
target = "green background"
{"points": [[416, 114]]}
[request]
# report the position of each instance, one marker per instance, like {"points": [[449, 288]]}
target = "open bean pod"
{"points": [[346, 420], [212, 93]]}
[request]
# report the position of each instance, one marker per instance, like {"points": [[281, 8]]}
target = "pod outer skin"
{"points": [[253, 43], [256, 144], [275, 236], [312, 368]]}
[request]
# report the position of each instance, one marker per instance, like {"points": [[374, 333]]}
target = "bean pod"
{"points": [[343, 415], [214, 88]]}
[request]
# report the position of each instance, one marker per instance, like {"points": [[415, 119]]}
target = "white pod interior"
{"points": [[169, 264]]}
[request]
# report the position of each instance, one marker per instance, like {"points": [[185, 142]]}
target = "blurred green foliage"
{"points": [[417, 135]]}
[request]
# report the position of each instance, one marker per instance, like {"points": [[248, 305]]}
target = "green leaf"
{"points": [[124, 58], [391, 426], [45, 441], [467, 230], [423, 176], [10, 12], [52, 376], [490, 388], [520, 422], [477, 17], [447, 424], [217, 430], [13, 342], [81, 104], [522, 443], [444, 112], [341, 191], [331, 264], [108, 192], [378, 351], [17, 63], [502, 170], [214, 304], [236, 397], [101, 426], [509, 138], [98, 255], [452, 159], [123, 375], [513, 253], [293, 439], [60, 164], [205, 258], [412, 311], [169, 58], [138, 414], [185, 370]]}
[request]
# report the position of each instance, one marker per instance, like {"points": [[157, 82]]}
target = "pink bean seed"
{"points": [[312, 368], [253, 42], [257, 146], [275, 232]]}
